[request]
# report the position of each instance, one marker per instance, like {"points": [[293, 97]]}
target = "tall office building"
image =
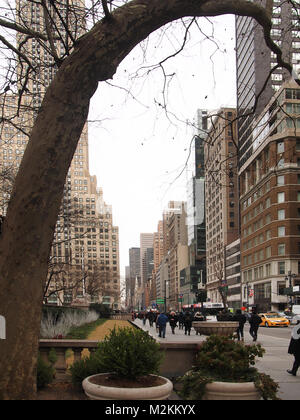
{"points": [[221, 198], [270, 205], [254, 62], [193, 277], [84, 262], [135, 275], [268, 168]]}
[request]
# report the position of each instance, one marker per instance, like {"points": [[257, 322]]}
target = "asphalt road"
{"points": [[278, 332]]}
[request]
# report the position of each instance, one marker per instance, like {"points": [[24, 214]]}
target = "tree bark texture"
{"points": [[32, 213]]}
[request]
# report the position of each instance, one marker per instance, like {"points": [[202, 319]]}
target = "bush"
{"points": [[223, 359], [127, 352], [45, 373], [84, 368], [52, 327], [102, 310]]}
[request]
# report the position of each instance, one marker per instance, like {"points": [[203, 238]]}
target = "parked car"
{"points": [[287, 315], [273, 320], [295, 320]]}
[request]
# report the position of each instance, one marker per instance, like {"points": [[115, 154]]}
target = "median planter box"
{"points": [[225, 328], [98, 387], [231, 391]]}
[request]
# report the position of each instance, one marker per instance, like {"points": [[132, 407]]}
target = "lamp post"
{"points": [[290, 287]]}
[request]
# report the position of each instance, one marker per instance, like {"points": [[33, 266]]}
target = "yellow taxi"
{"points": [[273, 319]]}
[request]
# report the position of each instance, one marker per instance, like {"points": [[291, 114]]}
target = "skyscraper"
{"points": [[255, 61]]}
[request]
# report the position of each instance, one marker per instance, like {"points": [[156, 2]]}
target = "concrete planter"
{"points": [[100, 392], [231, 391], [225, 328]]}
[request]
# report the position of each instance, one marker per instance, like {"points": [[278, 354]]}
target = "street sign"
{"points": [[2, 328], [180, 299], [160, 301]]}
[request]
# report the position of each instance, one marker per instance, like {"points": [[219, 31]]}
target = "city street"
{"points": [[275, 362]]}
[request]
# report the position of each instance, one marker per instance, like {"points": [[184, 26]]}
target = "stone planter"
{"points": [[226, 328], [100, 392], [231, 391]]}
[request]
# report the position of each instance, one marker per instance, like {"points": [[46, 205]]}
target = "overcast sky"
{"points": [[137, 150]]}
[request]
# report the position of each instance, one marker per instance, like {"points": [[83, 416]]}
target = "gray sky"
{"points": [[137, 150]]}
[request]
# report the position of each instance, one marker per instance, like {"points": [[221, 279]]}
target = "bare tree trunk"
{"points": [[32, 213]]}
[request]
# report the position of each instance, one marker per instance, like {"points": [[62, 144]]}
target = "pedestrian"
{"points": [[241, 319], [180, 320], [173, 321], [162, 323], [198, 317], [144, 318], [294, 349], [254, 322], [151, 318], [188, 319]]}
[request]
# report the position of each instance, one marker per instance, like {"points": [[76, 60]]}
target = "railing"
{"points": [[124, 317], [61, 347], [179, 357]]}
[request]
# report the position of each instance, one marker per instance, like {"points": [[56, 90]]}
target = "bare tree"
{"points": [[83, 58]]}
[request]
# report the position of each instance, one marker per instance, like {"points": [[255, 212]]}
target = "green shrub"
{"points": [[45, 373], [102, 310], [127, 352], [223, 359], [85, 367]]}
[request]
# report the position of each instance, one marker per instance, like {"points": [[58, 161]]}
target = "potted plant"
{"points": [[224, 370], [129, 360]]}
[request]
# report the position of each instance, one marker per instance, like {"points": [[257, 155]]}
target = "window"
{"points": [[281, 249], [280, 147], [281, 288], [280, 197], [281, 230], [280, 163], [280, 180], [281, 214], [268, 252], [281, 267]]}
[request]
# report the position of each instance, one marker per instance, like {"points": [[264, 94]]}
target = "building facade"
{"points": [[221, 198], [270, 209]]}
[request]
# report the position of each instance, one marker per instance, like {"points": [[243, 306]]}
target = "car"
{"points": [[295, 320], [287, 315], [273, 320]]}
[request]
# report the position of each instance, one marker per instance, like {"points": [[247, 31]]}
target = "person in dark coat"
{"points": [[294, 348], [254, 322], [188, 319], [181, 320], [173, 321], [198, 317], [161, 322], [241, 319]]}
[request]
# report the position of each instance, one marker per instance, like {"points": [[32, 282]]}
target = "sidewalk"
{"points": [[275, 362]]}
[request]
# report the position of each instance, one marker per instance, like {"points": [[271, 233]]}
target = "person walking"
{"points": [[254, 322], [241, 319], [294, 349], [181, 320], [188, 319], [198, 317], [162, 323], [173, 321]]}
